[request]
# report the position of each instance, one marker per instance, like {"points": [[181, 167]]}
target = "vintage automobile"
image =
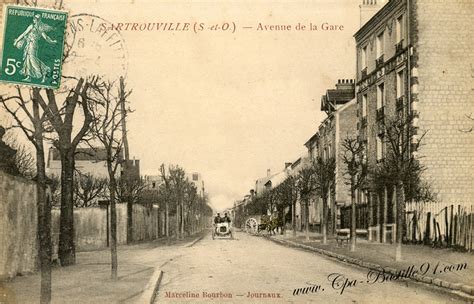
{"points": [[222, 231]]}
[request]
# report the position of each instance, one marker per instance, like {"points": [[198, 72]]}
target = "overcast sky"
{"points": [[230, 105]]}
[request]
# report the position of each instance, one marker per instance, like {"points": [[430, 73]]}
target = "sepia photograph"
{"points": [[236, 151]]}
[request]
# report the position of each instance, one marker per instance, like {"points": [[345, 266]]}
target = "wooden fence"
{"points": [[362, 218], [441, 225]]}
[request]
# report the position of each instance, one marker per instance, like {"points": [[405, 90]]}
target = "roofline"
{"points": [[311, 138], [378, 17]]}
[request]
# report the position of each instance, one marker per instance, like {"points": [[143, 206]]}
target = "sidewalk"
{"points": [[375, 255], [89, 280]]}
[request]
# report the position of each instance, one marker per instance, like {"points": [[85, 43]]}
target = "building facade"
{"points": [[340, 107], [411, 63]]}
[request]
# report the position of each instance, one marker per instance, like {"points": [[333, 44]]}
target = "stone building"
{"points": [[414, 58], [340, 107]]}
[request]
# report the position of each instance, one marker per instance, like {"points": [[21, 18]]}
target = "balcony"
{"points": [[379, 61], [364, 72], [400, 103], [380, 113], [380, 127], [399, 47]]}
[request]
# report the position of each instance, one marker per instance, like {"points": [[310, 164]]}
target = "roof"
{"points": [[376, 19], [277, 179], [336, 97], [312, 139]]}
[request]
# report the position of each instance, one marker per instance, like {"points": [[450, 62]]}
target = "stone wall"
{"points": [[442, 93], [18, 221], [146, 223]]}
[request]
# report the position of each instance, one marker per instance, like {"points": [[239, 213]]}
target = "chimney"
{"points": [[287, 165], [345, 84], [268, 172], [368, 8]]}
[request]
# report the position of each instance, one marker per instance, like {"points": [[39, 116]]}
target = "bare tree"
{"points": [[178, 183], [324, 170], [27, 116], [60, 115], [165, 194], [87, 188], [306, 188], [401, 166], [24, 160], [355, 173], [287, 193], [106, 128]]}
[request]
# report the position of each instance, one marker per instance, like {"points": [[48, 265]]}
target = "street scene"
{"points": [[236, 152]]}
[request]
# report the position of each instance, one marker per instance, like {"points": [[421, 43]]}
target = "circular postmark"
{"points": [[93, 48]]}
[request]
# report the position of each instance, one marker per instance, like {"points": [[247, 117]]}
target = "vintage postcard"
{"points": [[236, 151]]}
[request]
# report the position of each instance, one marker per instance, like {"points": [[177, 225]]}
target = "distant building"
{"points": [[196, 179], [341, 121], [152, 182], [87, 161]]}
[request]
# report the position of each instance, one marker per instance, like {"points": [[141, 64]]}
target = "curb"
{"points": [[151, 289], [462, 290], [195, 241]]}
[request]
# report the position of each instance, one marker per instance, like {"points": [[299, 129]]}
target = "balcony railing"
{"points": [[380, 128], [379, 61], [364, 72], [380, 113], [400, 103], [399, 46]]}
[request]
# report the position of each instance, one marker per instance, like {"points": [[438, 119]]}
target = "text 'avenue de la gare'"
{"points": [[221, 26]]}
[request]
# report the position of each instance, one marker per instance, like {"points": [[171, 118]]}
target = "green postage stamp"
{"points": [[33, 46]]}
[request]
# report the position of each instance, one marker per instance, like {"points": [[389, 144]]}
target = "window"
{"points": [[363, 58], [399, 29], [195, 177], [153, 185], [400, 84], [380, 148], [380, 46], [364, 105], [380, 96]]}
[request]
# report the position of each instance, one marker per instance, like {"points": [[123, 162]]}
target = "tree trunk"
{"points": [[113, 227], [167, 222], [353, 218], [293, 218], [324, 219], [400, 192], [129, 218], [67, 252], [44, 221], [183, 216], [306, 225], [177, 220], [333, 214]]}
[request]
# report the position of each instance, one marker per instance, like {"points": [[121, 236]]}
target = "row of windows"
{"points": [[380, 43], [400, 91]]}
